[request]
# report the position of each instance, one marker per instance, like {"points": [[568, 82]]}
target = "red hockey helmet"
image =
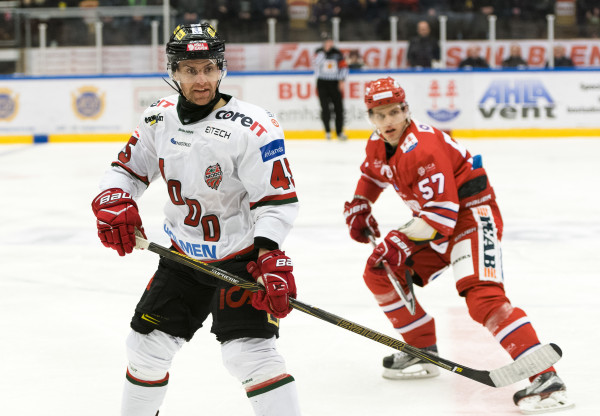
{"points": [[383, 91]]}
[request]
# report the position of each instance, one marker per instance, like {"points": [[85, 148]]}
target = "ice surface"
{"points": [[66, 300]]}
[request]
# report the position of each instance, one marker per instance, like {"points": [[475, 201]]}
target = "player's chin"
{"points": [[201, 98], [392, 137]]}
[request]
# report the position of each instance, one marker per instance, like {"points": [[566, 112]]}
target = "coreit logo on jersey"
{"points": [[518, 99], [213, 176], [447, 112], [9, 104], [88, 103], [153, 119], [178, 143], [243, 119], [272, 150]]}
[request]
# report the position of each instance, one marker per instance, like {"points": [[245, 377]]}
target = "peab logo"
{"points": [[272, 150], [516, 99]]}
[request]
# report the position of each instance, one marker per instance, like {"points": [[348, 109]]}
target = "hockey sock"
{"points": [[417, 330], [275, 397], [513, 330], [256, 363], [142, 397]]}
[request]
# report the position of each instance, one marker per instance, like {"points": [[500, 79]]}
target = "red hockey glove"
{"points": [[117, 219], [275, 270], [395, 249], [360, 221]]}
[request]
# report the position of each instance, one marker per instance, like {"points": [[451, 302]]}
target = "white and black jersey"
{"points": [[330, 65], [227, 176]]}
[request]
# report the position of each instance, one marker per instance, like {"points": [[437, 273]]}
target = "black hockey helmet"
{"points": [[195, 41]]}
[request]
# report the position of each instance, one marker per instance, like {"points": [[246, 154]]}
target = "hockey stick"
{"points": [[409, 300], [520, 369]]}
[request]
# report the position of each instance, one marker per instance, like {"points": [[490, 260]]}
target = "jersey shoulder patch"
{"points": [[422, 127], [409, 143]]}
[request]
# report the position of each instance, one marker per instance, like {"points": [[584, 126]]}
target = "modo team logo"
{"points": [[88, 103], [213, 176], [9, 104], [517, 99], [442, 97]]}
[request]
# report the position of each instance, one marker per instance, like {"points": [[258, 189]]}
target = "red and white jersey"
{"points": [[227, 175], [433, 174]]}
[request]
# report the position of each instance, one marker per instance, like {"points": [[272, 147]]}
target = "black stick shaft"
{"points": [[477, 375]]}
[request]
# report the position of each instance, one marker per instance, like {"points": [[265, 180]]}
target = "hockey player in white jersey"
{"points": [[231, 200]]}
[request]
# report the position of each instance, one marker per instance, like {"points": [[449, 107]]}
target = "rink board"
{"points": [[471, 104]]}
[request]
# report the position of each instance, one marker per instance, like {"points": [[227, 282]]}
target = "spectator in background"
{"points": [[593, 21], [223, 12], [277, 9], [321, 14], [248, 28], [355, 61], [423, 49], [375, 19], [331, 71], [396, 6], [514, 60], [350, 13], [189, 11], [473, 59], [560, 58], [481, 9]]}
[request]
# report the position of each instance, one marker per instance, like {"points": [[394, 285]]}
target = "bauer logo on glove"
{"points": [[274, 271], [395, 249], [117, 220], [360, 221]]}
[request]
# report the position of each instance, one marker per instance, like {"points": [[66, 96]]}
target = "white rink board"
{"points": [[449, 100]]}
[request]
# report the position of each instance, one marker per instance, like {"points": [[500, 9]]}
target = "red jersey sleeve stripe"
{"points": [[140, 178]]}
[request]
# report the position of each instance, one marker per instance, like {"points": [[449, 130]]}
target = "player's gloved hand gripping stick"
{"points": [[538, 360], [407, 298]]}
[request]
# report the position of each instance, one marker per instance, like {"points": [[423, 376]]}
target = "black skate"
{"points": [[547, 393], [401, 366]]}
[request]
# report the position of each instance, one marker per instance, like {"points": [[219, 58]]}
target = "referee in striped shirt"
{"points": [[331, 70]]}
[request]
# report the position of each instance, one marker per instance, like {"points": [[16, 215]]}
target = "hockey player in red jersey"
{"points": [[230, 200], [456, 221]]}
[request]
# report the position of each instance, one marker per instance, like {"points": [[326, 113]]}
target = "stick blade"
{"points": [[527, 366]]}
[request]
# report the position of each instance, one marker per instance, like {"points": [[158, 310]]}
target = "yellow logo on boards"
{"points": [[9, 104], [211, 31], [88, 103]]}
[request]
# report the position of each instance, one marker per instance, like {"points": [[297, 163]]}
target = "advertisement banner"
{"points": [[90, 108], [298, 56]]}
